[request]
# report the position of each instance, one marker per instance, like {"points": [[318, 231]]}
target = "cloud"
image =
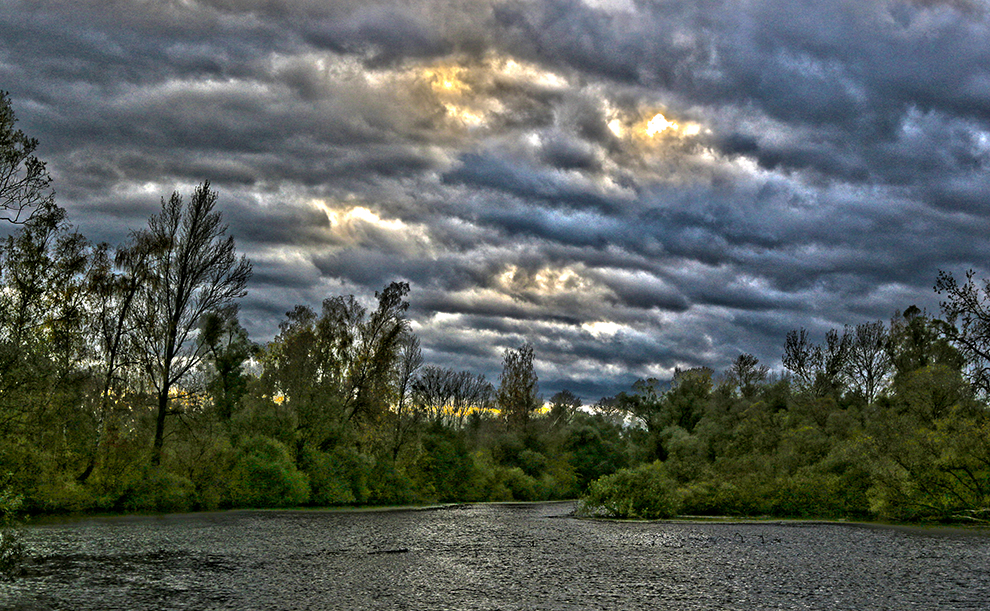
{"points": [[631, 186]]}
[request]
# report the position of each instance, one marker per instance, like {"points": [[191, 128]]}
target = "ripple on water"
{"points": [[490, 557]]}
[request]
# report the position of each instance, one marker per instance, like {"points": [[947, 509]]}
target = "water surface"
{"points": [[491, 557]]}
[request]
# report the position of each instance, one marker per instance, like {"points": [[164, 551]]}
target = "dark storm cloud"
{"points": [[383, 34], [812, 165]]}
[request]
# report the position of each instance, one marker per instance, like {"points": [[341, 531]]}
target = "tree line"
{"points": [[885, 421], [127, 383]]}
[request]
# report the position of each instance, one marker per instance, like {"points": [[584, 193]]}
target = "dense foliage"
{"points": [[879, 421], [128, 384]]}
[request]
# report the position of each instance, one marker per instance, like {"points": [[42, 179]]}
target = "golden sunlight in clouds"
{"points": [[472, 93], [658, 124], [655, 124], [353, 225], [655, 145], [604, 329], [546, 281]]}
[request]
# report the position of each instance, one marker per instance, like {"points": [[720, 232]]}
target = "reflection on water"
{"points": [[491, 557]]}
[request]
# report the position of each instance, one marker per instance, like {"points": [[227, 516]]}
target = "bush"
{"points": [[533, 464], [522, 487], [490, 479], [339, 478], [645, 492], [158, 490], [265, 476], [445, 469], [211, 475], [390, 485]]}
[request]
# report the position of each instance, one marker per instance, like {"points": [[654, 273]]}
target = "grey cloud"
{"points": [[842, 160], [383, 34], [525, 182], [567, 154]]}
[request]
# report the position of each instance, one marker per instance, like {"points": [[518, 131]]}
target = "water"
{"points": [[491, 557]]}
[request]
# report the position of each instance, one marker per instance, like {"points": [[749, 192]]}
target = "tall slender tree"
{"points": [[518, 391], [193, 270], [869, 358]]}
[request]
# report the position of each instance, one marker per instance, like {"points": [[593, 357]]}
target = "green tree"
{"points": [[115, 279], [916, 341], [747, 374], [930, 455], [645, 403], [192, 271], [518, 396], [228, 349], [43, 348], [689, 396], [337, 371]]}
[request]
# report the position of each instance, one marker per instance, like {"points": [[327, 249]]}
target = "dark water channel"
{"points": [[491, 557]]}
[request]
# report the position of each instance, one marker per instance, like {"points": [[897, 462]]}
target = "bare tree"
{"points": [[801, 357], [748, 374], [869, 361], [25, 186], [967, 323], [563, 406], [193, 270], [819, 368], [410, 360], [446, 396], [831, 377]]}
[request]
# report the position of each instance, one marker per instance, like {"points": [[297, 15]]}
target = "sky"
{"points": [[631, 186]]}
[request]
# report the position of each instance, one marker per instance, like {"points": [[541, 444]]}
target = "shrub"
{"points": [[158, 490], [521, 486], [490, 479], [265, 476], [445, 469], [645, 492], [532, 463], [338, 478], [390, 485], [211, 475]]}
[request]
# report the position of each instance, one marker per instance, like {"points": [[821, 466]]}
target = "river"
{"points": [[529, 556]]}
